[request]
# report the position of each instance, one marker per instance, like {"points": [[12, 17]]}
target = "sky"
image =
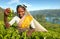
{"points": [[31, 4]]}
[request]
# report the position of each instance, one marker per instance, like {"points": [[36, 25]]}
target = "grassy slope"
{"points": [[1, 14], [12, 32]]}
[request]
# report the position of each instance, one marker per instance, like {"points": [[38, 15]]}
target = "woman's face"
{"points": [[21, 11]]}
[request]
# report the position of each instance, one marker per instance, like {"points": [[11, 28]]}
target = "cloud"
{"points": [[28, 5], [18, 2], [2, 6], [13, 1]]}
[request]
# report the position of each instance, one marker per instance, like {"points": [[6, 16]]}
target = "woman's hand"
{"points": [[7, 11], [29, 33]]}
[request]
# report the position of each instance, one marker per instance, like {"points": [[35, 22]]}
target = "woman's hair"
{"points": [[24, 7]]}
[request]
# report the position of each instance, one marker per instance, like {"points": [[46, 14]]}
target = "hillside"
{"points": [[13, 33], [1, 10], [47, 12], [1, 13]]}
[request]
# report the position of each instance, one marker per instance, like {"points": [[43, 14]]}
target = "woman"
{"points": [[20, 14]]}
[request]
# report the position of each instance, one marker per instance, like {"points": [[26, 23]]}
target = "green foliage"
{"points": [[12, 32]]}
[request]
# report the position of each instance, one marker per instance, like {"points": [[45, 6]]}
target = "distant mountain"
{"points": [[47, 12], [1, 13], [1, 10]]}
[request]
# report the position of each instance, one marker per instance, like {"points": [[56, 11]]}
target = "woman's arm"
{"points": [[31, 30], [6, 13], [7, 25]]}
